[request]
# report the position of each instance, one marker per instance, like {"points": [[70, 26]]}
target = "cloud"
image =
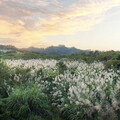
{"points": [[27, 21], [5, 40]]}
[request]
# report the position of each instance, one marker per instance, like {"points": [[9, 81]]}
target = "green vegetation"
{"points": [[26, 101], [56, 89], [110, 58], [21, 97]]}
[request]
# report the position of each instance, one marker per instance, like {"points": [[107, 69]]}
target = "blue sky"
{"points": [[85, 24]]}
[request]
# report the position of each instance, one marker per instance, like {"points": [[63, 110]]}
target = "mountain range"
{"points": [[61, 49]]}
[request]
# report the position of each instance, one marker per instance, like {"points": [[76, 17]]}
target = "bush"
{"points": [[61, 67], [24, 102], [23, 73], [4, 71], [4, 78], [112, 64]]}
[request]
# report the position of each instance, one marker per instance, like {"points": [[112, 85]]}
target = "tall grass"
{"points": [[55, 90]]}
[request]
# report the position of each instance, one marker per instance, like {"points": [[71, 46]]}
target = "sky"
{"points": [[84, 24]]}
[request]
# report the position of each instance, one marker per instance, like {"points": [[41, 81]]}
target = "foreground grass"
{"points": [[58, 90]]}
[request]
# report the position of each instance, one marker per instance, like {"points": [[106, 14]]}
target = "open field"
{"points": [[58, 90]]}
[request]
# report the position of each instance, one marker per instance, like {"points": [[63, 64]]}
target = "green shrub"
{"points": [[112, 64], [24, 102], [23, 73], [4, 78], [61, 67], [4, 71]]}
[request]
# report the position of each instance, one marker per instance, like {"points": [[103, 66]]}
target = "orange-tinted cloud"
{"points": [[26, 22]]}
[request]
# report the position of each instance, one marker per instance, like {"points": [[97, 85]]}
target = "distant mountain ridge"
{"points": [[61, 49], [7, 47]]}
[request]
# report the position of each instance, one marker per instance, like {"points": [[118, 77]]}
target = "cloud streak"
{"points": [[28, 21]]}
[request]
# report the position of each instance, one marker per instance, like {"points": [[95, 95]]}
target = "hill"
{"points": [[61, 49], [7, 47]]}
